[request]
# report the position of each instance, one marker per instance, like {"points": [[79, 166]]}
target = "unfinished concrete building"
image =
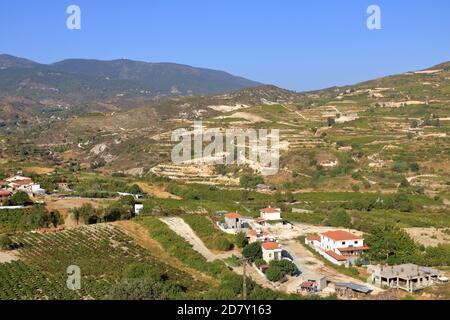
{"points": [[408, 277]]}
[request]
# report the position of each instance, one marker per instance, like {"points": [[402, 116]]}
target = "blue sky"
{"points": [[295, 44]]}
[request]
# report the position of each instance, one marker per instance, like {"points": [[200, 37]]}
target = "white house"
{"points": [[33, 189], [271, 251], [313, 240], [138, 207], [339, 247], [270, 214]]}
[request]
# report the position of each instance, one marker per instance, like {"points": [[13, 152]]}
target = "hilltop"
{"points": [[74, 85]]}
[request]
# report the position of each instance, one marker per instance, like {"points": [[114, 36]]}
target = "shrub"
{"points": [[145, 289], [221, 243], [391, 244], [142, 270], [20, 198], [253, 251], [260, 262], [118, 211], [404, 183], [241, 240], [339, 218], [414, 167], [5, 242], [400, 166], [274, 273], [134, 189], [247, 181], [286, 266]]}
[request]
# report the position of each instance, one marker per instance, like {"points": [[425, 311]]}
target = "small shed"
{"points": [[233, 220], [138, 207], [351, 290]]}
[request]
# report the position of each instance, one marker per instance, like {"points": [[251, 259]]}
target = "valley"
{"points": [[370, 160]]}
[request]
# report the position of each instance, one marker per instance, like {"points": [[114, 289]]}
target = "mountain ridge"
{"points": [[131, 77]]}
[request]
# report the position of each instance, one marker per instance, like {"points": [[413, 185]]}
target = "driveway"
{"points": [[311, 267], [179, 226]]}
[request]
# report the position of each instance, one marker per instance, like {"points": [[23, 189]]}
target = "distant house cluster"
{"points": [[18, 183], [234, 223], [339, 247]]}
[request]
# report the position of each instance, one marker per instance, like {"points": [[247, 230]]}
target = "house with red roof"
{"points": [[5, 195], [313, 240], [233, 220], [271, 251], [16, 183], [270, 214], [259, 236], [340, 247]]}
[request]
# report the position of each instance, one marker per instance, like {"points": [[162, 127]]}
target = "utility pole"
{"points": [[244, 284]]}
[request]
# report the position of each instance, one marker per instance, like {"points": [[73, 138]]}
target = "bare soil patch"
{"points": [[64, 205], [429, 237], [157, 191], [39, 170], [8, 256]]}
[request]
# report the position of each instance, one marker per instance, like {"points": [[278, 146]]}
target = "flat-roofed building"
{"points": [[408, 277]]}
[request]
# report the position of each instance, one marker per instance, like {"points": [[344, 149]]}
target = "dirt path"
{"points": [[142, 237], [295, 111], [8, 256], [255, 276], [422, 176], [184, 230]]}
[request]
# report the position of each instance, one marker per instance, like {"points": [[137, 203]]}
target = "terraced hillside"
{"points": [[381, 136]]}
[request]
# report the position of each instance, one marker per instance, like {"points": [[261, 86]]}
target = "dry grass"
{"points": [[157, 191], [428, 236]]}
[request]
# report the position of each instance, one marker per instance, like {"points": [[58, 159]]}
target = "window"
{"points": [[356, 242], [343, 242]]}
